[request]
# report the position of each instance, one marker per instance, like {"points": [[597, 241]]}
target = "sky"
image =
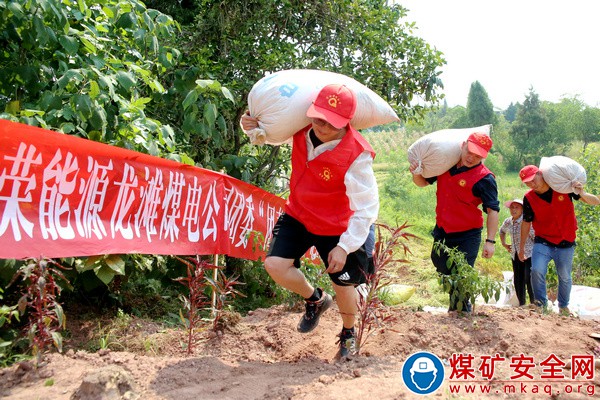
{"points": [[510, 46]]}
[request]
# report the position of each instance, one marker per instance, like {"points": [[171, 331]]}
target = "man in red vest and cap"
{"points": [[459, 220], [553, 217], [332, 203]]}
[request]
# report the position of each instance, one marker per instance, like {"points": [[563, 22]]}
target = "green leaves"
{"points": [[104, 266], [87, 69], [465, 283], [125, 79], [70, 44]]}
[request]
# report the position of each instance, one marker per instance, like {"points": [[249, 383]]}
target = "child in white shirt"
{"points": [[521, 269]]}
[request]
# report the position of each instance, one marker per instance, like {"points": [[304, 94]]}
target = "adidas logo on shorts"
{"points": [[344, 277]]}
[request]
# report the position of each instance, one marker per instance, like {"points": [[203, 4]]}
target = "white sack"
{"points": [[561, 173], [438, 151], [280, 102]]}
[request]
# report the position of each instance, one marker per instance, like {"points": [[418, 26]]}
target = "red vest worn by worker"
{"points": [[553, 221], [317, 191], [457, 209]]}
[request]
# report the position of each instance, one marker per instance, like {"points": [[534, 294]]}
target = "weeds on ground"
{"points": [[7, 314], [465, 282], [45, 315], [111, 334], [198, 283], [373, 315]]}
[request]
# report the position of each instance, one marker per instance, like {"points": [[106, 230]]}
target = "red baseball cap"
{"points": [[335, 104], [479, 143], [528, 172]]}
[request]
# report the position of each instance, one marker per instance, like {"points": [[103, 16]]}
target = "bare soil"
{"points": [[262, 356]]}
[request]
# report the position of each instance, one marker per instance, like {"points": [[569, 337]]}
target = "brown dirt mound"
{"points": [[264, 357]]}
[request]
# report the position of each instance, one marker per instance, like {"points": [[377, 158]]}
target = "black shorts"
{"points": [[291, 240]]}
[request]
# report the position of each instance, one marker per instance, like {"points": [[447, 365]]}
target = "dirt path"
{"points": [[263, 357]]}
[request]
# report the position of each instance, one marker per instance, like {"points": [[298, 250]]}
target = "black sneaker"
{"points": [[314, 309], [347, 341]]}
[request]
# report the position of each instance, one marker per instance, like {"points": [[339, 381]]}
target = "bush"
{"points": [[465, 282], [586, 266]]}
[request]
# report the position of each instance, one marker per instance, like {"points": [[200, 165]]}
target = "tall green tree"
{"points": [[480, 110], [510, 114], [528, 132]]}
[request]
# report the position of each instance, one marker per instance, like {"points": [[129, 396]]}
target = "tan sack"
{"points": [[439, 151], [561, 172], [280, 102]]}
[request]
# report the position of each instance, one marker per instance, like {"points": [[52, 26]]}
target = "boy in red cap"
{"points": [[332, 203], [552, 215], [459, 220]]}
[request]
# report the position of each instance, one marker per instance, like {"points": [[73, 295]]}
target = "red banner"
{"points": [[63, 196]]}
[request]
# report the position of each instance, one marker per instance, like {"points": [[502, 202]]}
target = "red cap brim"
{"points": [[528, 178], [334, 119], [476, 149]]}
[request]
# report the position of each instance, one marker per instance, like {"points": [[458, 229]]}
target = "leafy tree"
{"points": [[182, 11], [586, 268], [564, 121], [461, 118], [590, 127], [92, 69], [239, 42], [480, 110], [511, 112], [528, 132], [504, 148]]}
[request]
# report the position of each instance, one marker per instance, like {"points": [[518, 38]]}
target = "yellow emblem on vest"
{"points": [[561, 198], [462, 183], [325, 174]]}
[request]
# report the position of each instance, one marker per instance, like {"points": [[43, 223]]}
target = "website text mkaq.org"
{"points": [[514, 387], [550, 375]]}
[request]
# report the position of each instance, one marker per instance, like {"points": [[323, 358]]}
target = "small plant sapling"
{"points": [[46, 318], [373, 314]]}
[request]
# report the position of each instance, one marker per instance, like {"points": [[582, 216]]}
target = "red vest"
{"points": [[317, 191], [553, 221], [457, 209]]}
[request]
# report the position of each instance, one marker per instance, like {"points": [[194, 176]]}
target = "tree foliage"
{"points": [[564, 122], [528, 131], [590, 126], [510, 114], [587, 253], [120, 73], [240, 42], [96, 70], [480, 110]]}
